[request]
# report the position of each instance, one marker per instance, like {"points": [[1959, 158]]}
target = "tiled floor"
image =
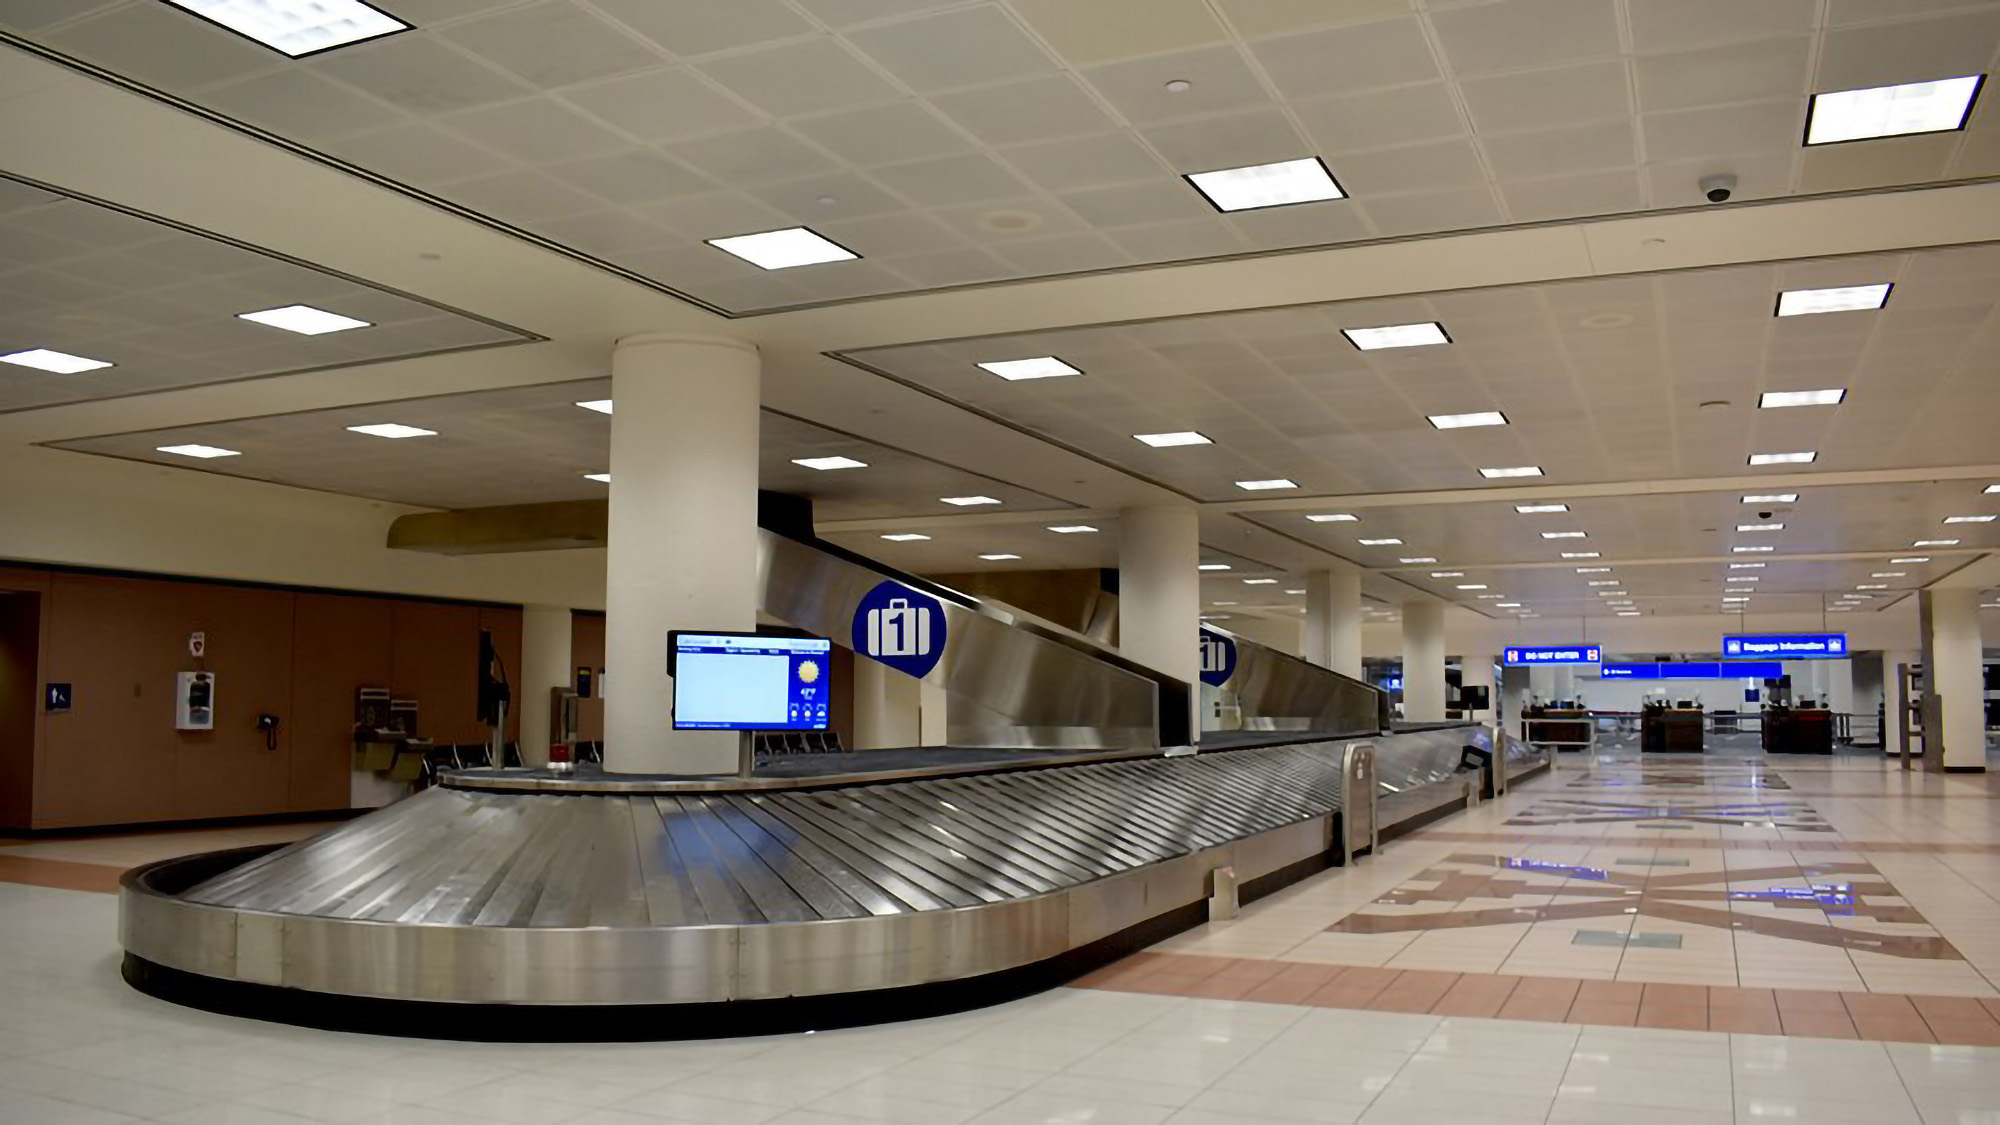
{"points": [[1482, 1023]]}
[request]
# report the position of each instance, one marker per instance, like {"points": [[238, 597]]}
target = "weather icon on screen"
{"points": [[808, 671]]}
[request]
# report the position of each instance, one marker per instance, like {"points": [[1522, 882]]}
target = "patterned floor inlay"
{"points": [[1842, 904], [1756, 1011], [1794, 816], [1717, 844]]}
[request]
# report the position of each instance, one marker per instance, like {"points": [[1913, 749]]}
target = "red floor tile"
{"points": [[1610, 1013], [1894, 1029], [1610, 992], [1817, 1024], [1878, 1005], [1745, 1021], [1808, 1000], [1970, 1033]]}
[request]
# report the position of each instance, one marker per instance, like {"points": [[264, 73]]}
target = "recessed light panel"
{"points": [[601, 478], [906, 537], [1580, 554], [1890, 574], [1265, 485], [1506, 605], [1891, 111], [1873, 586], [1380, 542], [1991, 489], [1760, 527], [1773, 498], [1912, 559], [1628, 613], [1182, 437], [1333, 517], [202, 451], [1516, 471], [1746, 566], [1593, 570], [1540, 509], [1212, 566], [304, 320], [1751, 550], [1802, 458], [1468, 421], [1397, 336], [1447, 574], [1416, 560], [1603, 582], [1472, 586], [783, 249], [1267, 185], [1773, 400], [1260, 582], [966, 501], [1039, 367], [1563, 535], [297, 27], [1935, 543], [999, 558], [1969, 519], [1072, 529], [601, 405], [393, 430], [826, 464], [1853, 298], [1492, 597], [61, 363]]}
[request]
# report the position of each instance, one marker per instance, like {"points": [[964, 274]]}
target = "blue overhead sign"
{"points": [[1700, 670], [1787, 646], [1519, 655]]}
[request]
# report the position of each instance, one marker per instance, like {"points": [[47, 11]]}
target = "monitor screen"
{"points": [[743, 681]]}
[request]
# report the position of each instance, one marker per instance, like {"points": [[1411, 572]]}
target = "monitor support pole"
{"points": [[746, 753]]}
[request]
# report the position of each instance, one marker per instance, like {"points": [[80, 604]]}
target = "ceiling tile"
{"points": [[1555, 152], [714, 215], [165, 46], [964, 47], [302, 104], [1432, 210], [1916, 51], [1377, 120], [1038, 109], [846, 13], [663, 105], [1103, 30], [1519, 34], [947, 180], [1348, 59], [1082, 162], [1542, 99], [1255, 19], [1770, 127], [1220, 82], [1257, 137], [1130, 204], [554, 43], [1880, 163], [1564, 197], [1431, 167], [522, 194], [633, 176], [1761, 71], [535, 131], [1677, 25], [814, 75], [421, 74], [697, 29], [416, 154], [883, 134], [752, 156]]}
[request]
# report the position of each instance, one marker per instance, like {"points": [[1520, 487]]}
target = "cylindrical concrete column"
{"points": [[1423, 662], [1159, 594], [1333, 620], [886, 707], [545, 665], [1475, 671], [1954, 680], [683, 536]]}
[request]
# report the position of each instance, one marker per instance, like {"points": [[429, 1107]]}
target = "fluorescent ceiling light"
{"points": [[1265, 485], [1773, 400], [1225, 603], [62, 363], [1783, 458], [906, 537], [783, 249], [1745, 566], [1563, 535], [1912, 559], [297, 27], [1492, 597], [199, 450], [1539, 509], [1468, 421], [1380, 542], [1873, 586], [1743, 578], [304, 320], [1890, 574], [1593, 570], [1397, 336], [601, 405], [1602, 582], [1751, 550], [1517, 471], [601, 478], [1039, 367], [1506, 605], [1179, 437], [1935, 543], [1418, 559], [824, 464], [1611, 593], [1472, 586], [1969, 519], [1938, 106], [1447, 574], [1840, 609], [1580, 554], [1736, 599], [1853, 298], [1760, 527], [1333, 517], [1072, 528], [1628, 613], [1300, 590], [1260, 582], [393, 430], [1772, 498], [1991, 489], [1267, 185], [998, 558], [1213, 566], [1215, 617], [966, 501]]}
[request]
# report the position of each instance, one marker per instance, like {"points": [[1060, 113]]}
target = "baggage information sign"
{"points": [[1786, 646]]}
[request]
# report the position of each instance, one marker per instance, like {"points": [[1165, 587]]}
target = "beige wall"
{"points": [[116, 758]]}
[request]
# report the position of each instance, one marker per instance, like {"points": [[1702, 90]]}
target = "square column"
{"points": [[1333, 620], [1423, 662], [1159, 595], [545, 666], [1954, 680]]}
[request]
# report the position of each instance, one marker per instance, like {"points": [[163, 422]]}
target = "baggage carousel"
{"points": [[532, 906]]}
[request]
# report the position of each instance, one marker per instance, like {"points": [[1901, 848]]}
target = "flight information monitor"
{"points": [[744, 681]]}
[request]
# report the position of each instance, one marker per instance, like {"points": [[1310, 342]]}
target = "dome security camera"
{"points": [[1718, 188], [1764, 515]]}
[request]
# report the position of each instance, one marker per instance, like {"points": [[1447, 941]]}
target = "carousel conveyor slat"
{"points": [[480, 858]]}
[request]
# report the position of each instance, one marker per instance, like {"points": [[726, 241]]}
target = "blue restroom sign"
{"points": [[1218, 658], [901, 628]]}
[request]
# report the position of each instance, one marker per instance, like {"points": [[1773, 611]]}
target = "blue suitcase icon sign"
{"points": [[900, 629], [1214, 654]]}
